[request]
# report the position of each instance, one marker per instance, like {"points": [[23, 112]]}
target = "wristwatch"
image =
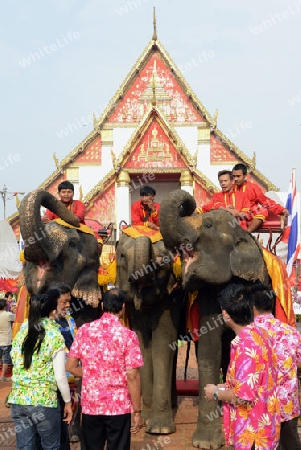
{"points": [[215, 395]]}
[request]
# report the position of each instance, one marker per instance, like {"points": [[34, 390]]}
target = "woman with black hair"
{"points": [[38, 356]]}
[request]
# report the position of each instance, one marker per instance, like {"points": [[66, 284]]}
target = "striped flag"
{"points": [[293, 245]]}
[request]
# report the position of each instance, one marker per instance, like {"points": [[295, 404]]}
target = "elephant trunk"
{"points": [[144, 266], [37, 241], [175, 216]]}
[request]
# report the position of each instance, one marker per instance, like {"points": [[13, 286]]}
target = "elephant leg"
{"points": [[209, 433], [146, 374], [163, 352]]}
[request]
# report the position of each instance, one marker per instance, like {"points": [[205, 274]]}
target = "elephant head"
{"points": [[213, 246], [57, 253], [144, 270]]}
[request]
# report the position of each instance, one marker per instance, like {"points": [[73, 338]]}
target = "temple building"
{"points": [[154, 131]]}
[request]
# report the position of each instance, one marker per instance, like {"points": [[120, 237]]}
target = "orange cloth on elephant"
{"points": [[280, 282], [141, 230], [82, 227], [21, 310]]}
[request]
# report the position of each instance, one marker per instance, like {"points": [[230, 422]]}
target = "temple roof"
{"points": [[144, 78]]}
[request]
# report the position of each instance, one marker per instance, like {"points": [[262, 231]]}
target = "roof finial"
{"points": [[154, 101], [155, 26]]}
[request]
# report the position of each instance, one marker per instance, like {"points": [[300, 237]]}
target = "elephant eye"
{"points": [[72, 244], [208, 224]]}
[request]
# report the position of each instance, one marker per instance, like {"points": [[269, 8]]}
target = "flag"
{"points": [[292, 225]]}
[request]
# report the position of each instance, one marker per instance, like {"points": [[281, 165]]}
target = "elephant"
{"points": [[54, 252], [215, 251], [145, 274]]}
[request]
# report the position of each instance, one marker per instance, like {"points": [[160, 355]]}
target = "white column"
{"points": [[186, 181], [122, 200]]}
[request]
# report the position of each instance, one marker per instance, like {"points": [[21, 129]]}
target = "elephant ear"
{"points": [[246, 260]]}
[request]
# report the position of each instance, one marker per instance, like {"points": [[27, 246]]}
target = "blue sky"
{"points": [[63, 59]]}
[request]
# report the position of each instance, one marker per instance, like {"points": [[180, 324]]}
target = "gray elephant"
{"points": [[215, 251], [145, 274], [55, 252]]}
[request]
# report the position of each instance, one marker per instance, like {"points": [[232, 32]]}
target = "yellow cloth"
{"points": [[140, 230], [107, 274], [82, 227], [280, 283], [191, 298], [177, 267]]}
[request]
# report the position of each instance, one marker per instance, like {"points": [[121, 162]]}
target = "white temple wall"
{"points": [[189, 136], [120, 139]]}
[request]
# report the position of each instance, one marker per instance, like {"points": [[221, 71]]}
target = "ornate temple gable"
{"points": [[219, 153], [155, 146], [200, 194], [92, 154], [155, 79], [168, 80], [239, 157], [102, 206], [207, 184], [155, 150]]}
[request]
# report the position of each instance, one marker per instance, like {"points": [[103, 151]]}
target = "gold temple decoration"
{"points": [[203, 134], [81, 196], [17, 202], [154, 38], [56, 161], [195, 157], [95, 122], [186, 178], [156, 149], [214, 121], [253, 160], [123, 178], [113, 157], [154, 91]]}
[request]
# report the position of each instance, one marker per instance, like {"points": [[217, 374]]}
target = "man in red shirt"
{"points": [[236, 203], [260, 204], [66, 193], [146, 211]]}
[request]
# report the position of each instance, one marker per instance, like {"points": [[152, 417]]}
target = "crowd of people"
{"points": [[260, 396]]}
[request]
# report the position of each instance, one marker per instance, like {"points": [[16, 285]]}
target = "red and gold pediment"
{"points": [[53, 187], [91, 154], [155, 79], [201, 194], [219, 152], [103, 207], [154, 150]]}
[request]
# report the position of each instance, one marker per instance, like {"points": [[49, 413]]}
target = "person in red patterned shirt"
{"points": [[286, 342], [236, 203], [66, 193], [146, 211], [107, 356], [260, 203]]}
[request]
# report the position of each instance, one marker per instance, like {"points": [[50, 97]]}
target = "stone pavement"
{"points": [[185, 417]]}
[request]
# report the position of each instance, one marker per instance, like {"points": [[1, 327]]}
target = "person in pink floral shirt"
{"points": [[287, 346], [251, 408], [107, 355]]}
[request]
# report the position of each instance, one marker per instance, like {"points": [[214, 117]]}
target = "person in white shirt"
{"points": [[6, 320]]}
